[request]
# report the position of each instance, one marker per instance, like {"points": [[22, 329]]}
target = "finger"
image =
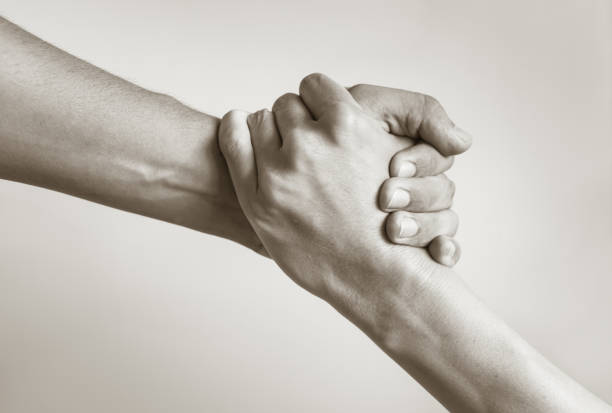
{"points": [[419, 229], [428, 194], [235, 145], [264, 135], [319, 92], [290, 112], [419, 160], [413, 115], [445, 250]]}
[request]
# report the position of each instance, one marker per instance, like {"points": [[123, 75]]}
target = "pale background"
{"points": [[105, 311]]}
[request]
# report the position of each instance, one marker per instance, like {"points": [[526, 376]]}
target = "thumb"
{"points": [[235, 144], [413, 115]]}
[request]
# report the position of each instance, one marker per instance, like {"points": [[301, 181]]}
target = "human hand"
{"points": [[425, 194], [423, 121], [309, 191]]}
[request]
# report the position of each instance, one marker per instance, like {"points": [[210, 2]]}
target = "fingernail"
{"points": [[407, 170], [449, 249], [408, 228], [399, 199]]}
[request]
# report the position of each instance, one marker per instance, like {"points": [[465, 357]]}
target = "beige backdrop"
{"points": [[105, 311]]}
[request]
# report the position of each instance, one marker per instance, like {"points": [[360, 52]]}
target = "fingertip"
{"points": [[403, 168], [459, 141], [233, 118], [319, 92], [283, 101], [394, 195], [440, 131], [311, 81], [401, 227], [445, 250], [420, 160]]}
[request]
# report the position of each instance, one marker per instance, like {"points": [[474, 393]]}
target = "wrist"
{"points": [[191, 181], [400, 283]]}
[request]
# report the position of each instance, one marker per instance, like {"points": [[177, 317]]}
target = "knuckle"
{"points": [[310, 81], [283, 101], [431, 103], [257, 119], [228, 136], [234, 115], [260, 115]]}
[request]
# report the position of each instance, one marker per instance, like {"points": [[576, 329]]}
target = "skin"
{"points": [[417, 311], [71, 127]]}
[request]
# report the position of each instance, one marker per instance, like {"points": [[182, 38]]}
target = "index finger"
{"points": [[319, 92]]}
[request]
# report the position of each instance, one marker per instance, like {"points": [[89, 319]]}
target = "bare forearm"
{"points": [[69, 126], [469, 359]]}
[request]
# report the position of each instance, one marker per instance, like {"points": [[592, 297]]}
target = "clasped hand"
{"points": [[313, 179]]}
